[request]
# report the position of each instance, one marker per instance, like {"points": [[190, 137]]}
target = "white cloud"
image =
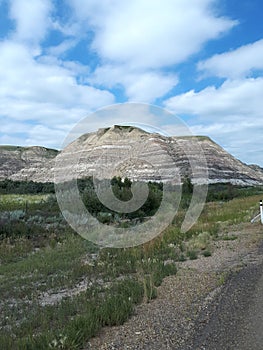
{"points": [[11, 140], [149, 86], [43, 91], [49, 136], [12, 127], [62, 48], [129, 44], [139, 114], [37, 135], [31, 85], [242, 139], [32, 19], [136, 39], [231, 115], [235, 64], [140, 86], [233, 98], [150, 34], [54, 125]]}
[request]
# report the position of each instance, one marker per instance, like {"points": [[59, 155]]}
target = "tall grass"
{"points": [[115, 279]]}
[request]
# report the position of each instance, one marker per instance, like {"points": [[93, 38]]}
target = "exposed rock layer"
{"points": [[26, 163], [132, 152]]}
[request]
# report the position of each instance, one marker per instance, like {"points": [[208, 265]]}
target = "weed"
{"points": [[207, 253], [182, 257], [192, 254], [222, 279], [41, 257], [229, 238]]}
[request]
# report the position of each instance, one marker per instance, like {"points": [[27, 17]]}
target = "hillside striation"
{"points": [[127, 151]]}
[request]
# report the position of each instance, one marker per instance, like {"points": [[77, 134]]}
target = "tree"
{"points": [[187, 186]]}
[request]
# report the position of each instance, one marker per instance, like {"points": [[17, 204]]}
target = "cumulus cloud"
{"points": [[35, 81], [135, 46], [140, 86], [37, 135], [231, 114], [7, 139], [138, 114], [235, 64], [62, 48], [32, 19], [145, 33], [42, 90], [136, 39], [241, 138], [238, 97], [149, 86]]}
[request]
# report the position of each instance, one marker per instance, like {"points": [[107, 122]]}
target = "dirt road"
{"points": [[234, 320], [200, 309]]}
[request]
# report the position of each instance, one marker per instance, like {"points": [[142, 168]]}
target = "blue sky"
{"points": [[202, 60]]}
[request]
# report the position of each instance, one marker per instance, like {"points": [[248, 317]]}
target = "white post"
{"points": [[261, 211]]}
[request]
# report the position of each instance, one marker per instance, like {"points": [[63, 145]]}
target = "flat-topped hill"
{"points": [[130, 152]]}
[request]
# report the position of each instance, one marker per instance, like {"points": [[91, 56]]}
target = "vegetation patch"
{"points": [[58, 290]]}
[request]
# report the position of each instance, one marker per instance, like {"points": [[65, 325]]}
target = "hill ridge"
{"points": [[38, 163]]}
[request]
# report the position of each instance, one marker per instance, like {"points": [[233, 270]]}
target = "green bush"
{"points": [[115, 310], [192, 254], [25, 187], [206, 253]]}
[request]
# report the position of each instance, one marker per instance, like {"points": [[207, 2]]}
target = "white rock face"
{"points": [[128, 152], [25, 163]]}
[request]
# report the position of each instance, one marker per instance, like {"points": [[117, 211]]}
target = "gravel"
{"points": [[200, 308], [234, 320], [165, 322]]}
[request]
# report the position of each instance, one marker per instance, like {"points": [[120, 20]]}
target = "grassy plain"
{"points": [[57, 289]]}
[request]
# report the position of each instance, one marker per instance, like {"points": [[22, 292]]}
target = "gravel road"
{"points": [[198, 309], [234, 320]]}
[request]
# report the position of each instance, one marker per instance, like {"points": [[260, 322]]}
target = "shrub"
{"points": [[192, 254], [207, 253]]}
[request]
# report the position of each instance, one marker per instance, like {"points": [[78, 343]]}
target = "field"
{"points": [[57, 289]]}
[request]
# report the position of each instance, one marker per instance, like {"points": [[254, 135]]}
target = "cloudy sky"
{"points": [[202, 60]]}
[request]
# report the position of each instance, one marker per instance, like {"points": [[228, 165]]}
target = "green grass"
{"points": [[75, 321], [22, 198], [10, 202], [192, 254], [107, 300], [11, 148], [52, 152], [115, 279], [206, 253], [229, 238]]}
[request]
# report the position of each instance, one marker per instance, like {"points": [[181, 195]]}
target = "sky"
{"points": [[201, 60]]}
